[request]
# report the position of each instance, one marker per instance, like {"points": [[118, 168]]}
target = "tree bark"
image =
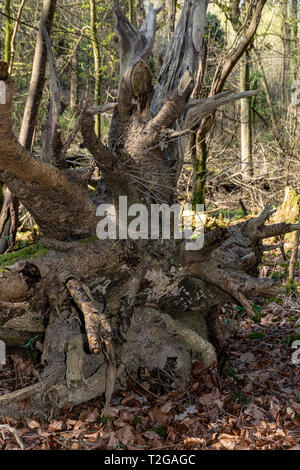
{"points": [[286, 27], [171, 11], [37, 77], [246, 120], [14, 36], [74, 82], [294, 257], [97, 67], [8, 31]]}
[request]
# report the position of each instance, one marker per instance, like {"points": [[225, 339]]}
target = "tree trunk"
{"points": [[131, 11], [294, 51], [14, 35], [171, 11], [8, 221], [246, 119], [9, 212], [201, 171], [74, 82], [294, 257], [248, 28], [37, 77], [140, 13], [8, 31], [286, 56], [97, 67]]}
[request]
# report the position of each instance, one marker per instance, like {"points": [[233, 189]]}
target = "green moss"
{"points": [[278, 275], [104, 420], [92, 238], [294, 318], [230, 372], [292, 287], [240, 397], [289, 339], [275, 300], [33, 251], [161, 431], [257, 335]]}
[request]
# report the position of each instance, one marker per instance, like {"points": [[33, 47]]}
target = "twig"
{"points": [[144, 388], [6, 427]]}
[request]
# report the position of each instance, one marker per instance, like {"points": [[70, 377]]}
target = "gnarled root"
{"points": [[231, 265]]}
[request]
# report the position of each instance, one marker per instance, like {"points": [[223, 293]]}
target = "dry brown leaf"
{"points": [[55, 425], [125, 435], [193, 441], [158, 417], [32, 424]]}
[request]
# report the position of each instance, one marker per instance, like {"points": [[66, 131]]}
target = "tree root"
{"points": [[97, 327], [231, 264], [121, 331]]}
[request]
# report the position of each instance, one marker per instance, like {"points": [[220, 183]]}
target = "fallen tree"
{"points": [[106, 308]]}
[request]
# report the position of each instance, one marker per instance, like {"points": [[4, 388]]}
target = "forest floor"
{"points": [[253, 404]]}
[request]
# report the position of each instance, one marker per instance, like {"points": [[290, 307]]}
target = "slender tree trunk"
{"points": [[171, 11], [8, 31], [200, 170], [295, 45], [8, 216], [286, 55], [246, 119], [14, 35], [140, 13], [274, 127], [37, 78], [294, 257], [131, 11], [197, 144], [74, 82], [97, 67], [294, 66]]}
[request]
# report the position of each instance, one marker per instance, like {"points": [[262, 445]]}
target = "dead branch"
{"points": [[6, 427], [198, 109], [277, 229], [97, 327], [104, 108]]}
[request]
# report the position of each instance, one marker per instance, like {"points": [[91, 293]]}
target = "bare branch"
{"points": [[105, 108], [277, 229], [52, 143]]}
